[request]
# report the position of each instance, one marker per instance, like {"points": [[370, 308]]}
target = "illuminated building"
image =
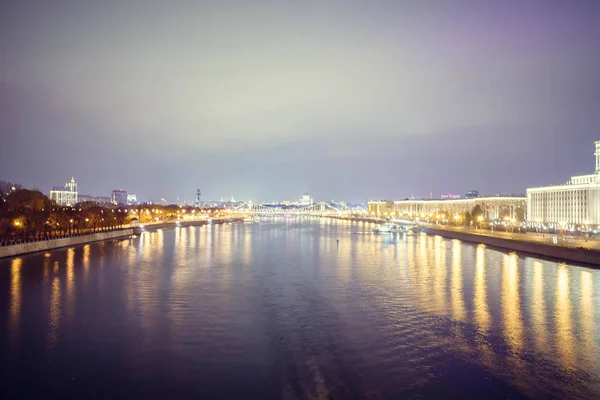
{"points": [[119, 196], [573, 204], [93, 199], [306, 200], [65, 195], [493, 207], [131, 199]]}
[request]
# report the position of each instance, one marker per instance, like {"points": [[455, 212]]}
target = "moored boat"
{"points": [[385, 228]]}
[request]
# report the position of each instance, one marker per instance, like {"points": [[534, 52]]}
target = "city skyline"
{"points": [[263, 100]]}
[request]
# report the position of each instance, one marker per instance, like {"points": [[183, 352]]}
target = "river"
{"points": [[294, 309]]}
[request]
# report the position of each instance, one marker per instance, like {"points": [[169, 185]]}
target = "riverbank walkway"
{"points": [[576, 242]]}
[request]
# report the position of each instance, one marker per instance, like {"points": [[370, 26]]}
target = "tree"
{"points": [[466, 217], [6, 188], [477, 211]]}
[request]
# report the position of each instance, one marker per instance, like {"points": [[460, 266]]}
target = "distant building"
{"points": [[574, 204], [132, 199], [493, 207], [65, 195], [306, 200], [94, 199], [472, 194], [119, 196], [198, 197], [450, 196]]}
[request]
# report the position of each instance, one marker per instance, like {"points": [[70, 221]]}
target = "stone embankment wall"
{"points": [[24, 248], [561, 253]]}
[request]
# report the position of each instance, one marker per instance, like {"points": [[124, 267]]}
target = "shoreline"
{"points": [[575, 250], [558, 252], [17, 250]]}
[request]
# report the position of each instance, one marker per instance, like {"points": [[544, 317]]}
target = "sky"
{"points": [[262, 100]]}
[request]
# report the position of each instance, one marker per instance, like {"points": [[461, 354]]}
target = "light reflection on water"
{"points": [[481, 309], [511, 303], [538, 308], [16, 299], [284, 309], [456, 291]]}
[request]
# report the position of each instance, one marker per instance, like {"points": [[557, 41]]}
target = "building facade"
{"points": [[65, 195], [574, 204], [119, 196], [131, 199], [306, 200], [94, 199], [493, 207]]}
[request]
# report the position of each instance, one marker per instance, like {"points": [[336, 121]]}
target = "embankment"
{"points": [[558, 252], [24, 248], [183, 224]]}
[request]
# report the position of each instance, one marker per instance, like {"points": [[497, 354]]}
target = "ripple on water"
{"points": [[284, 310]]}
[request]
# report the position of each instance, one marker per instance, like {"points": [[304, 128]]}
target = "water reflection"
{"points": [[70, 271], [511, 303], [482, 313], [55, 313], [564, 321], [440, 274], [15, 297], [277, 297], [86, 261], [538, 308], [458, 304], [588, 326]]}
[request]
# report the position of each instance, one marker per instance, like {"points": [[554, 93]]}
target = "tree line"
{"points": [[28, 214]]}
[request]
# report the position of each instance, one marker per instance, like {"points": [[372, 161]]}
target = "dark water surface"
{"points": [[281, 310]]}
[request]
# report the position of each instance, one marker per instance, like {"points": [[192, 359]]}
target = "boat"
{"points": [[400, 229], [385, 228]]}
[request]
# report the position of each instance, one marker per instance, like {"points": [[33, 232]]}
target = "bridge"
{"points": [[323, 209]]}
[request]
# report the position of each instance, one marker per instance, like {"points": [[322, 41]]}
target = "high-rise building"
{"points": [[574, 204], [198, 197], [131, 199], [119, 196], [65, 195]]}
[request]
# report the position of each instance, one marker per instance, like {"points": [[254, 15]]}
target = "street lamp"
{"points": [[457, 218], [18, 225], [480, 219]]}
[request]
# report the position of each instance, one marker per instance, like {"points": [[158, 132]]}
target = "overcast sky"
{"points": [[262, 100]]}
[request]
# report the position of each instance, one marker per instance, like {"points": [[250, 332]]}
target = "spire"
{"points": [[597, 154]]}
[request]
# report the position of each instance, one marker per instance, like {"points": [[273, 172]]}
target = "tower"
{"points": [[597, 154], [198, 197]]}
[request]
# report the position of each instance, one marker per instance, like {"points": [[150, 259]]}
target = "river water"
{"points": [[294, 309]]}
